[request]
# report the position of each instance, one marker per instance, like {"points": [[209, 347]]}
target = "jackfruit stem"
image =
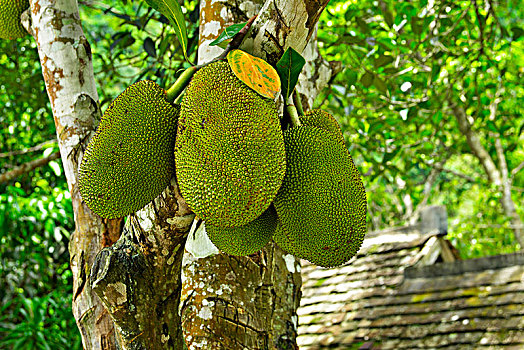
{"points": [[298, 103], [180, 84], [293, 115]]}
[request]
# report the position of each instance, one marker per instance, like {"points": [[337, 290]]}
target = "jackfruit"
{"points": [[229, 152], [247, 239], [323, 120], [321, 205], [10, 11], [130, 159]]}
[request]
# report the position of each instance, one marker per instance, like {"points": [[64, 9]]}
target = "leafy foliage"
{"points": [[407, 64]]}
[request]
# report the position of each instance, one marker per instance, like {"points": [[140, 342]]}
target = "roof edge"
{"points": [[463, 266]]}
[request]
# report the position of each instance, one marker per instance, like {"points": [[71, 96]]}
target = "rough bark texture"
{"points": [[282, 24], [248, 302], [66, 61], [138, 278], [315, 75], [499, 178]]}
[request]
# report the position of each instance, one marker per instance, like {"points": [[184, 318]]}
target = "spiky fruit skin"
{"points": [[10, 11], [247, 239], [321, 119], [321, 205], [230, 155], [130, 161]]}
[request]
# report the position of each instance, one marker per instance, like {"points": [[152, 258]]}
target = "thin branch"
{"points": [[457, 174], [476, 146], [516, 170], [502, 159], [28, 150], [428, 186], [26, 167]]}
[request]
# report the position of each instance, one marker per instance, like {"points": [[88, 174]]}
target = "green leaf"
{"points": [[382, 60], [388, 17], [380, 84], [228, 33], [435, 72], [517, 32], [289, 67], [390, 156], [367, 79], [172, 10], [149, 47], [351, 77]]}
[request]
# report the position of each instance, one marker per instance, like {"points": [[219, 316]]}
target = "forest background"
{"points": [[428, 95]]}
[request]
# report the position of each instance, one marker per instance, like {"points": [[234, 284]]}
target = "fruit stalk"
{"points": [[298, 103], [180, 84], [293, 115]]}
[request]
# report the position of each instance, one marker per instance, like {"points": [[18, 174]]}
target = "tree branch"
{"points": [[476, 147], [28, 150], [507, 201], [315, 75], [26, 167], [428, 186], [516, 170]]}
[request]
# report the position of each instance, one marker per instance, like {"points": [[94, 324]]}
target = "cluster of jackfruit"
{"points": [[10, 11], [237, 170], [130, 161], [233, 161]]}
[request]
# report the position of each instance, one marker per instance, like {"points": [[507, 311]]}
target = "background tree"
{"points": [[408, 68]]}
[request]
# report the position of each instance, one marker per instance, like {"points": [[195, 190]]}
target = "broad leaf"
{"points": [[289, 68], [367, 79], [228, 33], [149, 47], [255, 73], [172, 10]]}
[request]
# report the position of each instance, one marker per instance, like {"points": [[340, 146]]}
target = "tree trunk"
{"points": [[250, 302], [65, 56], [138, 278]]}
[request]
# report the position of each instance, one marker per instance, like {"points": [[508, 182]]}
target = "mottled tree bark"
{"points": [[66, 61], [250, 302], [138, 278]]}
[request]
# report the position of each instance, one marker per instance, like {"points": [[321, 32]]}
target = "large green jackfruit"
{"points": [[10, 11], [321, 119], [247, 239], [130, 159], [321, 205], [230, 155]]}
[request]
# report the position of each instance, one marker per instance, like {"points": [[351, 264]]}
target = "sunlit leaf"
{"points": [[255, 73], [228, 33], [172, 10]]}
